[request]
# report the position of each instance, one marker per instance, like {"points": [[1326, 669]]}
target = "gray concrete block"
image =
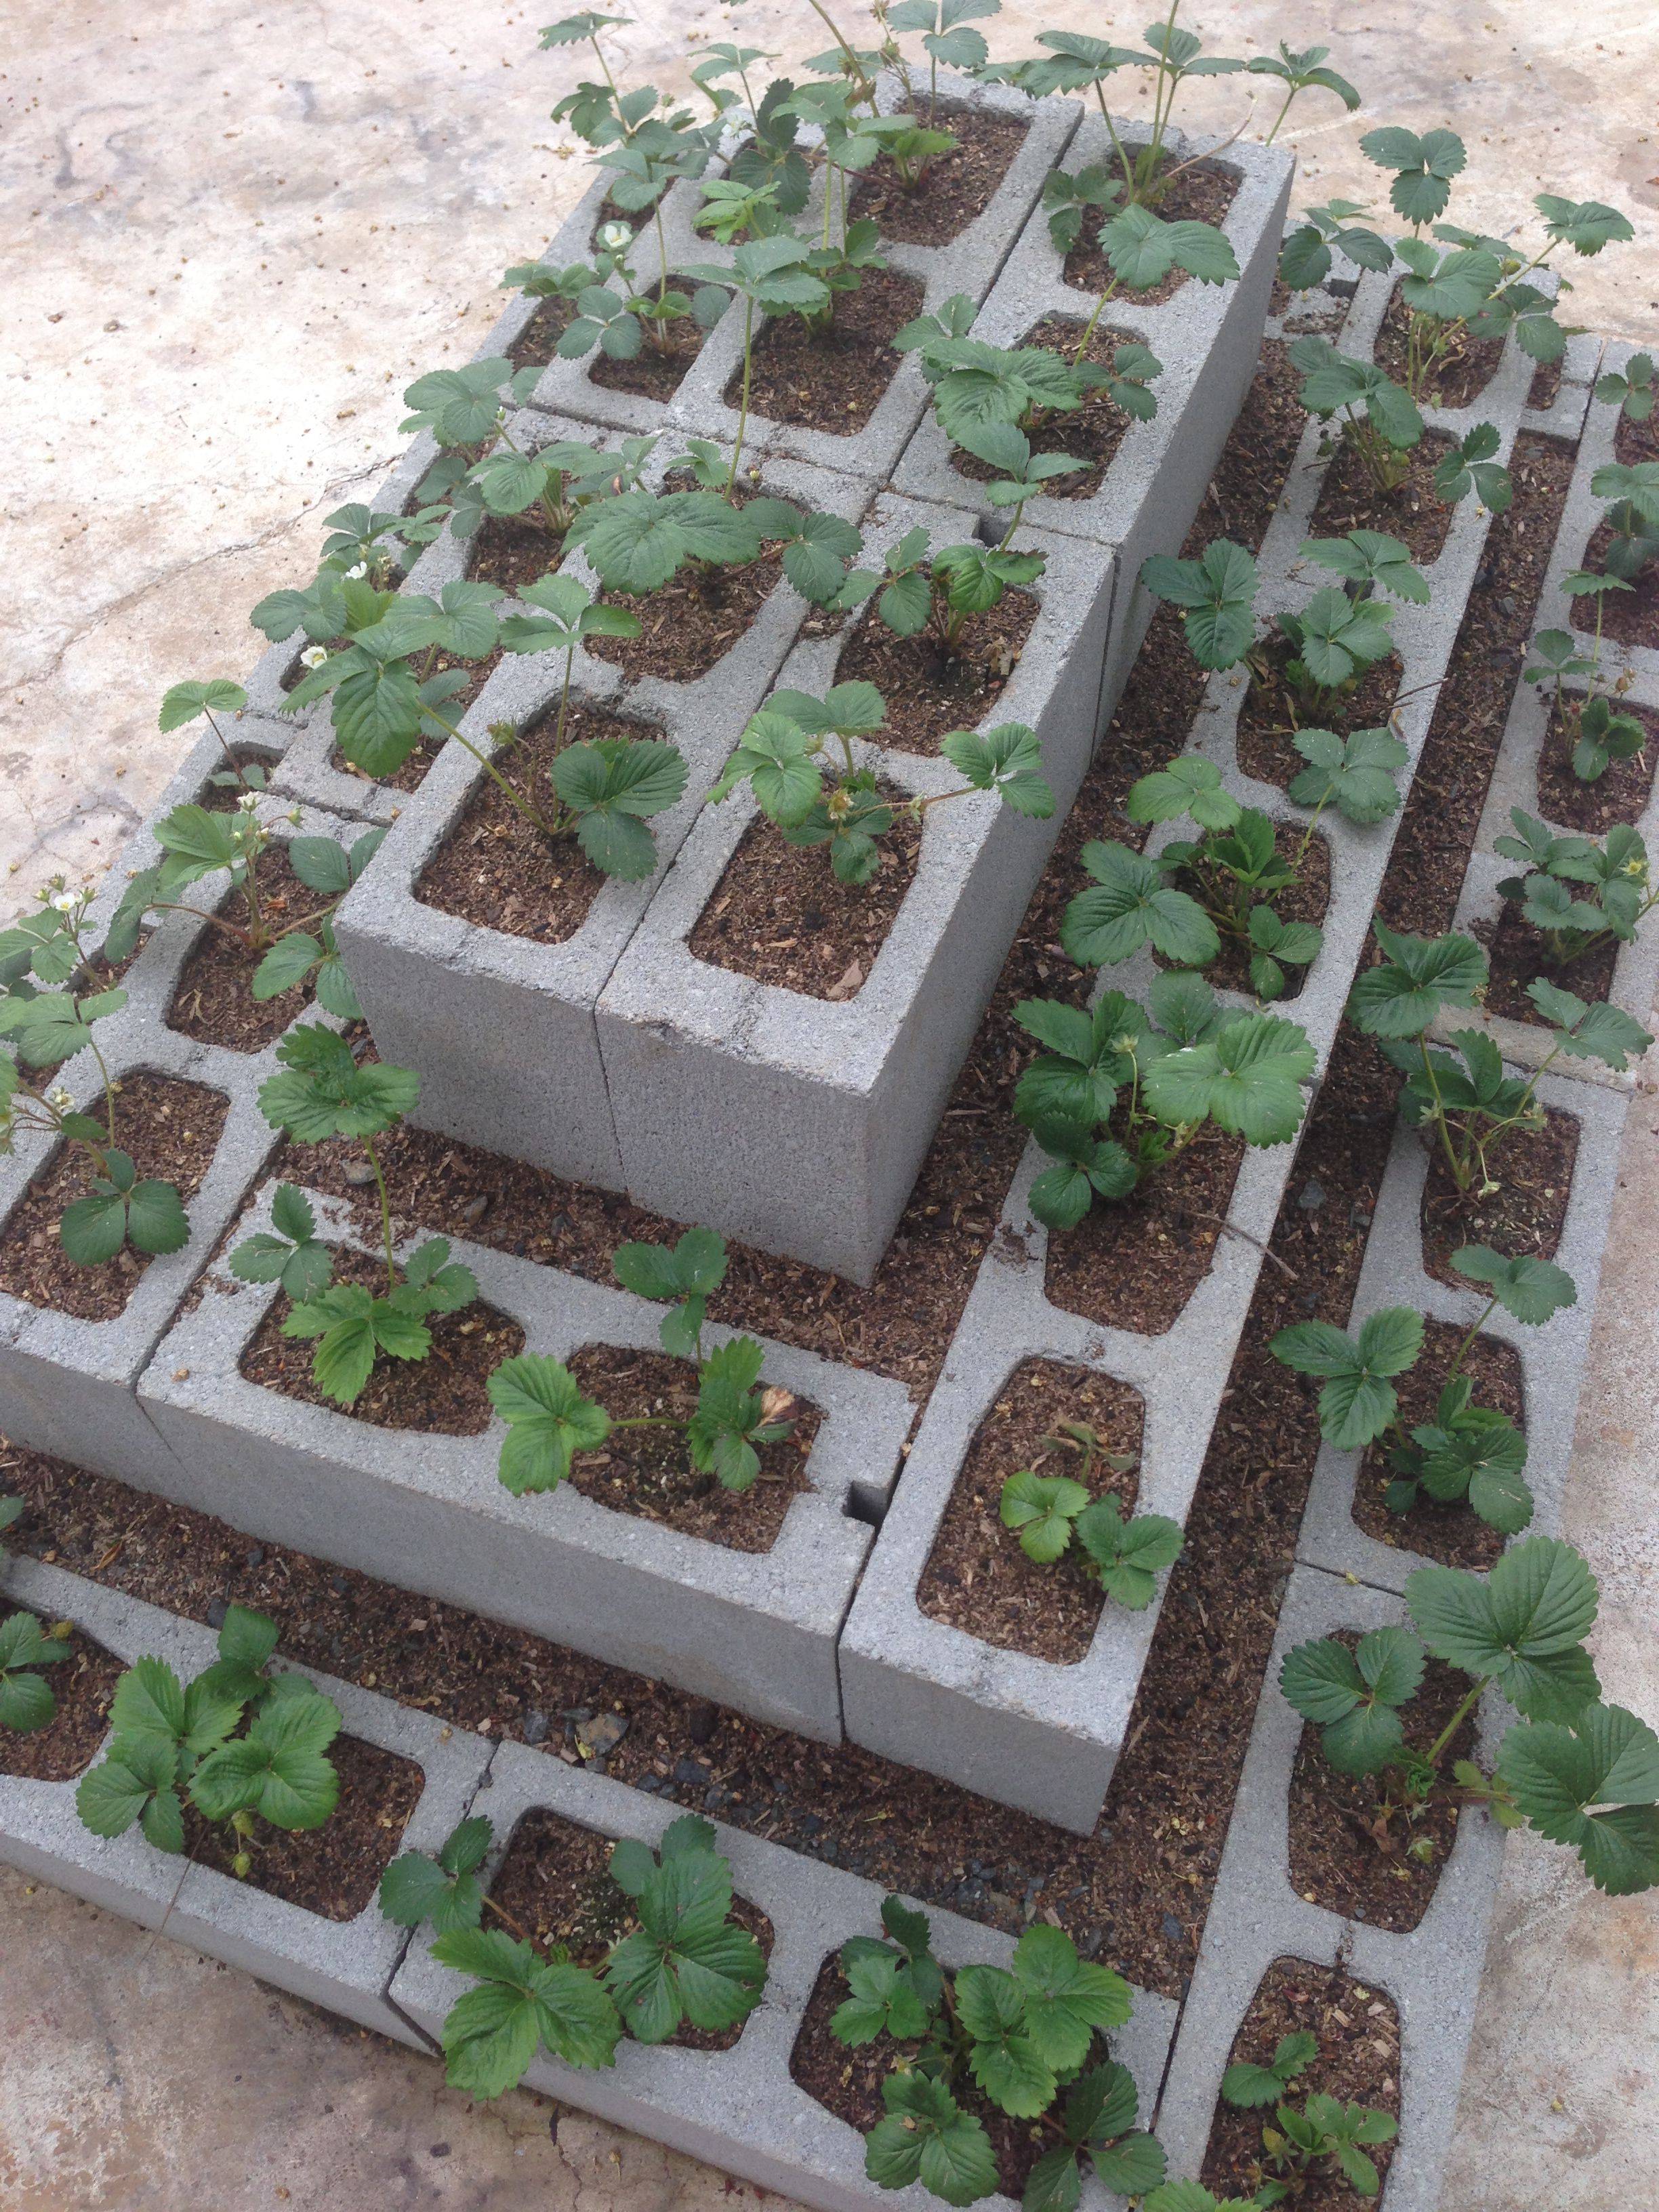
{"points": [[1024, 1730], [752, 1630], [1207, 337], [1255, 1916], [66, 1384], [740, 2108], [346, 1966], [502, 1029], [698, 1057], [1551, 1355]]}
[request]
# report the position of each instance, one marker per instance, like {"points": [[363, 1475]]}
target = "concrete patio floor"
{"points": [[230, 239]]}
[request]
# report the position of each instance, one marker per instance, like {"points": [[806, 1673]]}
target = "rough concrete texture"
{"points": [[756, 1630], [162, 474], [346, 1964], [741, 2106], [696, 1056]]}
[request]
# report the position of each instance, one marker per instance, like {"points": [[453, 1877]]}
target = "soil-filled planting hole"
{"points": [[1453, 1534], [1518, 954], [1452, 378], [214, 1001], [1619, 794], [655, 371], [1358, 2032], [333, 1870], [956, 188], [693, 621], [1272, 713], [83, 1682], [648, 1471], [1305, 900], [1350, 500], [832, 378], [1629, 618], [1349, 1855], [1133, 1262], [171, 1129], [512, 550], [1521, 1218], [976, 1577], [496, 868], [1090, 435], [555, 1885], [1202, 193], [443, 1394], [781, 915], [930, 689]]}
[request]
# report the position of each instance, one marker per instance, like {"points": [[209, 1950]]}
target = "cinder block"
{"points": [[752, 1630], [347, 1965], [698, 1058], [739, 2108]]}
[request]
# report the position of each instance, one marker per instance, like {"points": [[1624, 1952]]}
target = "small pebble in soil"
{"points": [[535, 1728], [216, 1612], [256, 1556], [1313, 1196]]}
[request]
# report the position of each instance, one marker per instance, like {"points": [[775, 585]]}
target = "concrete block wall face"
{"points": [[741, 2107], [67, 1382], [1034, 1734], [347, 1965], [1206, 336], [502, 1029], [754, 1630], [698, 1057]]}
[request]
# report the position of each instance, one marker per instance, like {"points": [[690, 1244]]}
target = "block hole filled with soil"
{"points": [[213, 1000], [1629, 618], [1518, 954], [655, 371], [171, 1129], [1619, 794], [649, 1471], [977, 1579], [954, 189], [443, 1394], [1202, 192], [1412, 510], [1090, 435], [830, 376], [1357, 2030], [496, 867], [1133, 1262], [692, 621], [1305, 900], [930, 688], [82, 1683], [781, 913], [1454, 376], [1522, 1216], [1453, 1534], [555, 1887], [1274, 711]]}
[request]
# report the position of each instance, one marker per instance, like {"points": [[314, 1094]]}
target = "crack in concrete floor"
{"points": [[220, 275]]}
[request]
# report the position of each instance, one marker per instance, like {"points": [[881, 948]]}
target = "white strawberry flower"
{"points": [[313, 656]]}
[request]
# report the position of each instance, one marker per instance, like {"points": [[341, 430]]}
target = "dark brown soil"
{"points": [[408, 776], [957, 188], [170, 1129], [781, 915], [1357, 2030], [1518, 956], [1619, 794], [1271, 714], [1635, 441], [1343, 1855], [336, 1869], [648, 1471], [1256, 463], [215, 1001], [929, 692], [655, 371], [847, 2082], [976, 1576], [1202, 194], [497, 868], [83, 1683], [1348, 500], [1136, 1893], [1133, 1262], [1090, 434], [221, 798], [1629, 618], [1456, 377], [555, 1883], [512, 550], [1521, 1218], [1453, 1534], [538, 340], [690, 623], [831, 380], [1305, 900], [442, 1395], [1425, 871], [1546, 386]]}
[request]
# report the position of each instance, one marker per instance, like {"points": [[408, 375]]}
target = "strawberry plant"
{"points": [[975, 384], [1055, 1515], [1158, 1088], [1323, 2137], [920, 591], [1580, 1771], [1630, 389], [844, 805], [1597, 730], [1632, 517], [1577, 893], [617, 311], [549, 1419], [27, 1701], [686, 1960], [1027, 2041], [193, 700], [237, 1744]]}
